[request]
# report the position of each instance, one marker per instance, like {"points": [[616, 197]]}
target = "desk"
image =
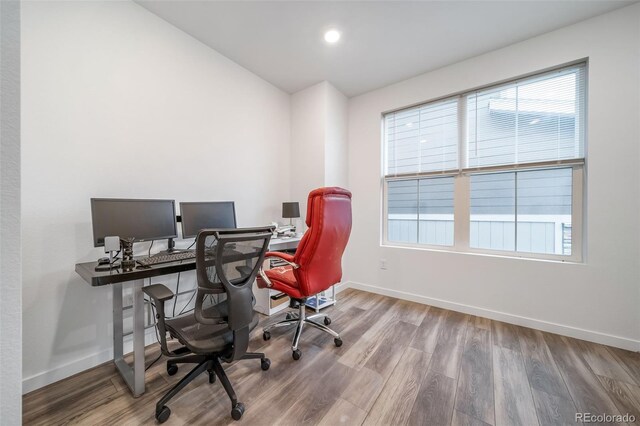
{"points": [[133, 375], [279, 244]]}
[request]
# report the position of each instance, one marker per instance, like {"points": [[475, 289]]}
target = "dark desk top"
{"points": [[97, 278]]}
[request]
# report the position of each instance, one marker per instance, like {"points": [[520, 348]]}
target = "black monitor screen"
{"points": [[198, 216], [143, 220]]}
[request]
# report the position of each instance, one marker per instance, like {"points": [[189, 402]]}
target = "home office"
{"points": [[227, 261], [491, 270]]}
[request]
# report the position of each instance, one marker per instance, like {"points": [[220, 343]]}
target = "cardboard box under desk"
{"points": [[278, 302]]}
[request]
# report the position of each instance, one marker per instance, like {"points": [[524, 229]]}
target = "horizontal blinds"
{"points": [[422, 139], [532, 120]]}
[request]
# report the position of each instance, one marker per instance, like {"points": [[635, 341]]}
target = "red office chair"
{"points": [[317, 264]]}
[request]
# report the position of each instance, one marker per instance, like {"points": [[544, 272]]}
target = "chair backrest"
{"points": [[227, 261], [319, 253]]}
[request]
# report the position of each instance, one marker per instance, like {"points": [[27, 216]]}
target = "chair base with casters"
{"points": [[300, 319], [205, 363], [204, 345]]}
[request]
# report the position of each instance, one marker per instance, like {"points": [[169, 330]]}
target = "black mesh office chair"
{"points": [[227, 261]]}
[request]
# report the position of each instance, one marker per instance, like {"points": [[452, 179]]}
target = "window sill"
{"points": [[494, 254]]}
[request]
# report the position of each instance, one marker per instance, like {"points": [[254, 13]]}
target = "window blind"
{"points": [[422, 139], [531, 120]]}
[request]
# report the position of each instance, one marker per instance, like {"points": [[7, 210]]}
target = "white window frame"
{"points": [[462, 192]]}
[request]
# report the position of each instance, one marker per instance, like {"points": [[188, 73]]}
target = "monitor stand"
{"points": [[171, 248]]}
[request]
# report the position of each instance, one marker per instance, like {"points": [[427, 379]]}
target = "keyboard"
{"points": [[166, 258]]}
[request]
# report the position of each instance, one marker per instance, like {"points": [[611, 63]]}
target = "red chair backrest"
{"points": [[319, 253]]}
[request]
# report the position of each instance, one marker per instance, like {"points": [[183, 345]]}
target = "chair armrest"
{"points": [[264, 277], [284, 256], [158, 292]]}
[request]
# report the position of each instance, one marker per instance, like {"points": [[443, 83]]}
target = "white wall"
{"points": [[118, 103], [10, 288], [307, 144], [319, 147], [336, 146], [597, 300]]}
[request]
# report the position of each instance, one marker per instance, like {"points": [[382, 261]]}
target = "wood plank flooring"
{"points": [[401, 363]]}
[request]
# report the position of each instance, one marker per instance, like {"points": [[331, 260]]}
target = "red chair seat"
{"points": [[282, 279]]}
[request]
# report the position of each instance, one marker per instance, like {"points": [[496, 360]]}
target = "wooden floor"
{"points": [[401, 363]]}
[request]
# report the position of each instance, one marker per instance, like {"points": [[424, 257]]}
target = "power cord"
{"points": [[115, 257], [175, 300], [182, 311], [187, 304], [153, 309]]}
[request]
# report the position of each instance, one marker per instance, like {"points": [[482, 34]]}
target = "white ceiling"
{"points": [[382, 42]]}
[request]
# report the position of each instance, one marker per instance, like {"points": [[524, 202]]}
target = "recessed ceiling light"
{"points": [[332, 36]]}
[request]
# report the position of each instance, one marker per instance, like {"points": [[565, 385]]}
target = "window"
{"points": [[512, 157], [422, 139], [529, 210], [421, 211]]}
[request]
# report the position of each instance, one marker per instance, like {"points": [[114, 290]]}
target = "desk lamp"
{"points": [[290, 211]]}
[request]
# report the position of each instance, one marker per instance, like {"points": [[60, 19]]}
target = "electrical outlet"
{"points": [[127, 300], [383, 263]]}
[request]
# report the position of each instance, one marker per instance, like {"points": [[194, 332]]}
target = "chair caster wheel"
{"points": [[237, 411], [163, 415], [288, 317], [266, 336], [327, 320], [172, 369], [296, 354], [212, 376], [337, 341], [265, 364]]}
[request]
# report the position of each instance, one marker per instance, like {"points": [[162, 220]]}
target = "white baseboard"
{"points": [[565, 330], [76, 366], [341, 286]]}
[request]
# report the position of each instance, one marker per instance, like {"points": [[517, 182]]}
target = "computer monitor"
{"points": [[203, 215], [143, 220]]}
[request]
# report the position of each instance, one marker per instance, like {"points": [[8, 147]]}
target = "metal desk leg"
{"points": [[138, 338], [117, 325], [133, 377]]}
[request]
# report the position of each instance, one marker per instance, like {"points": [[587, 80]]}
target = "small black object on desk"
{"points": [[291, 211]]}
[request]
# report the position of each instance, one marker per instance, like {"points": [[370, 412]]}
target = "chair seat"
{"points": [[282, 279], [204, 338]]}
